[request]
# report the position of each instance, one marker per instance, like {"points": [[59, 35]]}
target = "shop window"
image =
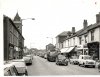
{"points": [[68, 43]]}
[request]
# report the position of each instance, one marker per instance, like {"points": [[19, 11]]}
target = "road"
{"points": [[42, 67]]}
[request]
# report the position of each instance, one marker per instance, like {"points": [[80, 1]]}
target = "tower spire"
{"points": [[17, 17]]}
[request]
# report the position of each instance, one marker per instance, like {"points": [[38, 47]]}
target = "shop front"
{"points": [[81, 50], [94, 50], [68, 51], [11, 51]]}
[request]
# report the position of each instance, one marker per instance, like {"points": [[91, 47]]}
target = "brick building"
{"points": [[13, 39]]}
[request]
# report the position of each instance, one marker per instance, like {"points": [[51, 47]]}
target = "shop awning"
{"points": [[64, 50], [70, 49]]}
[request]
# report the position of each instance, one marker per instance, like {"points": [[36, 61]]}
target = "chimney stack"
{"points": [[98, 18], [85, 24], [73, 30]]}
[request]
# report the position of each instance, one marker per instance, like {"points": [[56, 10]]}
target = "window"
{"points": [[85, 38], [62, 45], [74, 40], [68, 42], [92, 35], [80, 40]]}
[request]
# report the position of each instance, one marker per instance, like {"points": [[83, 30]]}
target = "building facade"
{"points": [[13, 40], [87, 40]]}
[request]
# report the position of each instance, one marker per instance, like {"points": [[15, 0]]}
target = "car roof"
{"points": [[8, 65], [19, 64], [18, 60], [28, 55]]}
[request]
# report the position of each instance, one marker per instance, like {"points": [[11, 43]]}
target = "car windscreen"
{"points": [[87, 57]]}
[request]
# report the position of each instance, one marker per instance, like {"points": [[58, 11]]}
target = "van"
{"points": [[86, 60]]}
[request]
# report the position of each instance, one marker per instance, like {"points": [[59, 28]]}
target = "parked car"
{"points": [[99, 66], [86, 60], [45, 56], [10, 70], [30, 56], [27, 59], [61, 59], [20, 66], [74, 60]]}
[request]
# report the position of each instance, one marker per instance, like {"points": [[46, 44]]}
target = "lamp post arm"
{"points": [[29, 18]]}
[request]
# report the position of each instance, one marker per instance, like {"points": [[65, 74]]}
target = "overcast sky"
{"points": [[51, 17]]}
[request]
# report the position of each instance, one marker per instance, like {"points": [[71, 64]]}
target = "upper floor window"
{"points": [[85, 38], [62, 45], [68, 42], [80, 38], [74, 41], [92, 35]]}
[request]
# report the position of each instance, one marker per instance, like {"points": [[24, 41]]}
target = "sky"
{"points": [[51, 17]]}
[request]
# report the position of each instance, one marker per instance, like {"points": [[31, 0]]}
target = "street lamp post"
{"points": [[31, 19], [51, 39]]}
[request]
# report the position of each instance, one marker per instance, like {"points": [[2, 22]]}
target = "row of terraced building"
{"points": [[82, 42]]}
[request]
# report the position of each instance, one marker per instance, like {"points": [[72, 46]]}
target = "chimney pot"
{"points": [[73, 29], [85, 24], [98, 18]]}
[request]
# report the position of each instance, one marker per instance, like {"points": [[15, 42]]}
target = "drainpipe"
{"points": [[99, 43]]}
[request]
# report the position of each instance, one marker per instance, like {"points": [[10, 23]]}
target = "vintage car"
{"points": [[45, 56], [86, 60], [20, 66], [10, 70], [74, 60], [61, 60], [30, 56], [27, 59]]}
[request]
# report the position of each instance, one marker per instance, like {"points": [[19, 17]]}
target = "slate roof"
{"points": [[64, 33], [93, 26], [80, 32]]}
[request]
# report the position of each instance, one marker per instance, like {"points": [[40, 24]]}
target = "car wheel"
{"points": [[66, 64], [79, 64], [26, 73], [73, 62], [85, 65], [56, 63], [31, 63], [94, 66]]}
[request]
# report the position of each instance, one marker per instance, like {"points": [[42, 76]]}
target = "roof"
{"points": [[17, 17], [13, 24], [76, 34], [84, 31], [64, 33], [92, 26]]}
